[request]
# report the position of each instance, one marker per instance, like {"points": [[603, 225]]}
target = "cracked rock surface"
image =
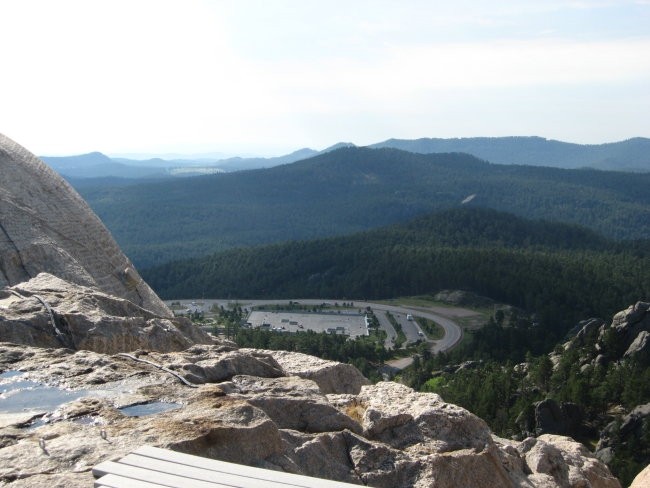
{"points": [[45, 226], [249, 409]]}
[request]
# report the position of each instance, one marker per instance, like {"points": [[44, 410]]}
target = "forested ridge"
{"points": [[631, 154], [562, 272], [350, 190]]}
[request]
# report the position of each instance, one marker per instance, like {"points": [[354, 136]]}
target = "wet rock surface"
{"points": [[384, 435]]}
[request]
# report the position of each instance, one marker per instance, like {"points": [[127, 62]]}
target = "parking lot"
{"points": [[352, 324]]}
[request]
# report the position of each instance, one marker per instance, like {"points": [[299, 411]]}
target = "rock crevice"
{"points": [[385, 435]]}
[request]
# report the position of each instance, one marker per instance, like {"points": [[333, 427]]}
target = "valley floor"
{"points": [[405, 314]]}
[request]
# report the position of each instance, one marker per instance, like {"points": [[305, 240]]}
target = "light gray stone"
{"points": [[331, 376], [640, 348], [409, 439], [402, 418], [292, 403], [47, 311], [45, 226]]}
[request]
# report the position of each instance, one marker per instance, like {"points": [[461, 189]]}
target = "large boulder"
{"points": [[630, 323], [587, 333], [331, 376], [552, 417], [626, 430], [292, 403], [639, 350], [64, 282], [561, 461], [400, 417], [45, 226]]}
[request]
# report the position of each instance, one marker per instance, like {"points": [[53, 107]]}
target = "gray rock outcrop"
{"points": [[45, 226], [640, 348], [627, 430], [47, 311], [330, 376], [64, 282], [386, 435], [629, 326], [552, 417]]}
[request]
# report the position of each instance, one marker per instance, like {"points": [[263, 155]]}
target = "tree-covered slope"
{"points": [[630, 155], [350, 190], [561, 272]]}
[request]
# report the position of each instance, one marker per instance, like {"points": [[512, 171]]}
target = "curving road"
{"points": [[453, 332]]}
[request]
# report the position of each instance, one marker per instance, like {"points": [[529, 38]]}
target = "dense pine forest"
{"points": [[350, 190], [562, 272]]}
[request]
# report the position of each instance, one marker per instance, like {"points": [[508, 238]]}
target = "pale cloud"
{"points": [[135, 76]]}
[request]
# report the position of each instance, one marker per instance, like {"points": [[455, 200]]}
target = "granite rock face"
{"points": [[64, 282], [47, 311], [385, 435], [330, 376], [45, 226]]}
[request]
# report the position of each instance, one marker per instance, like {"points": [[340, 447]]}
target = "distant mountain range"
{"points": [[98, 165], [349, 190], [630, 155]]}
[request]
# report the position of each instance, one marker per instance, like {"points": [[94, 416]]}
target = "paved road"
{"points": [[453, 332], [391, 333]]}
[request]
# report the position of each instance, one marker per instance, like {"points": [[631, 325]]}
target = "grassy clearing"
{"points": [[432, 330]]}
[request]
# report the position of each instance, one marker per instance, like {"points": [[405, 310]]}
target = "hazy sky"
{"points": [[271, 76]]}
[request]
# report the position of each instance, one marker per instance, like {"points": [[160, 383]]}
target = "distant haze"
{"points": [[629, 155]]}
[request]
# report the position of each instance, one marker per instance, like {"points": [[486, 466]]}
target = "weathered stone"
{"points": [[546, 459], [633, 422], [214, 427], [642, 480], [86, 318], [412, 439], [331, 377], [465, 467], [224, 365], [45, 226], [83, 479], [292, 403], [582, 465], [402, 418], [589, 330], [640, 348], [380, 465], [562, 462], [629, 323], [325, 456]]}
